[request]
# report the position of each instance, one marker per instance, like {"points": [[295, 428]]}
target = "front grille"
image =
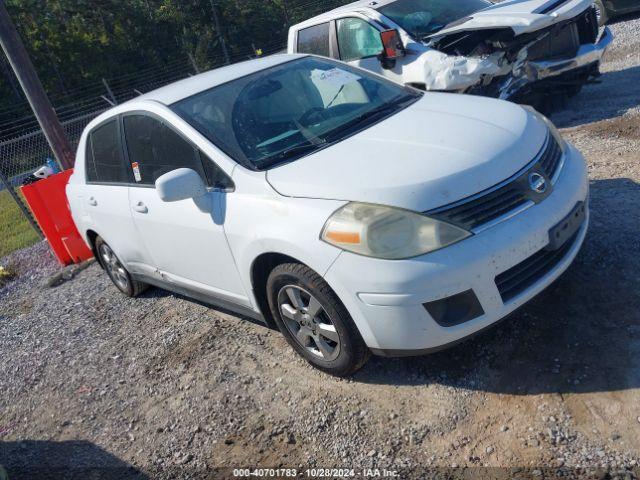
{"points": [[477, 212], [561, 41], [480, 209], [564, 39], [551, 158], [588, 26], [519, 278]]}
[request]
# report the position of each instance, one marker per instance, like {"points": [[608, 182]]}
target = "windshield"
{"points": [[421, 18], [284, 112]]}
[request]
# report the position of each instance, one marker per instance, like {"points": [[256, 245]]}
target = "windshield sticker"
{"points": [[335, 77]]}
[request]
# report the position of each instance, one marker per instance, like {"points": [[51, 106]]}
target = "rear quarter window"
{"points": [[314, 40]]}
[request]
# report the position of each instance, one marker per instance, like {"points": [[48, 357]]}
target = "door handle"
{"points": [[140, 207], [92, 201]]}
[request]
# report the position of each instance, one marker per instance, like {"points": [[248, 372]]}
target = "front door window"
{"points": [[357, 39]]}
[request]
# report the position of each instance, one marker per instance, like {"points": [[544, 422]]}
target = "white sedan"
{"points": [[356, 214]]}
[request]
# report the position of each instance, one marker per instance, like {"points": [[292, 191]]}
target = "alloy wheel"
{"points": [[308, 322], [114, 267]]}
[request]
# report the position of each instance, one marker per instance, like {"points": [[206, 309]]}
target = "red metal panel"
{"points": [[47, 200]]}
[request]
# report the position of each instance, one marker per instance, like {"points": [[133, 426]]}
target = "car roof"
{"points": [[182, 89], [350, 7], [174, 92]]}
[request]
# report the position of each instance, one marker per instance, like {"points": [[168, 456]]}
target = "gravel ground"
{"points": [[164, 387]]}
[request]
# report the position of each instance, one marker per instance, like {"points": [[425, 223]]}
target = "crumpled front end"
{"points": [[496, 62], [527, 71], [447, 72]]}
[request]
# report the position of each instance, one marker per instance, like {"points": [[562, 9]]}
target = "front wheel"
{"points": [[314, 321]]}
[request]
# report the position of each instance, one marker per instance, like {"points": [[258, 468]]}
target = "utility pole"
{"points": [[33, 90], [214, 9]]}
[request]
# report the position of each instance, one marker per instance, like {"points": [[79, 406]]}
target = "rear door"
{"points": [[186, 240], [106, 194], [317, 40]]}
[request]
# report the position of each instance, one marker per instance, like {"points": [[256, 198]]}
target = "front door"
{"points": [[360, 45], [185, 239]]}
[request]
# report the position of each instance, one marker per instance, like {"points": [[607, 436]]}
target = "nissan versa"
{"points": [[356, 214]]}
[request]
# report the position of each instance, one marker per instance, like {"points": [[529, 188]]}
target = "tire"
{"points": [[314, 321], [601, 12], [119, 275]]}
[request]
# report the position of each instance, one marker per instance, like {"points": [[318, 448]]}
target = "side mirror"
{"points": [[180, 184], [392, 48]]}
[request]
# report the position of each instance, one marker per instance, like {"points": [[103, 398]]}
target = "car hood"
{"points": [[441, 149], [521, 16]]}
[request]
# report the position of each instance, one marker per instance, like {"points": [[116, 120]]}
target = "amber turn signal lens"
{"points": [[343, 237]]}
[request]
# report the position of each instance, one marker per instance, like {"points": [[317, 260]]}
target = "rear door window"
{"points": [[155, 148], [104, 161], [315, 40]]}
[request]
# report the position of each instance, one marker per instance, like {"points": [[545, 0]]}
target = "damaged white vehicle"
{"points": [[519, 50]]}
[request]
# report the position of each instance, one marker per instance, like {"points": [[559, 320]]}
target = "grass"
{"points": [[15, 230]]}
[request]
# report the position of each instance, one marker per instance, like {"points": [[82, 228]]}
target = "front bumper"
{"points": [[530, 71], [386, 298]]}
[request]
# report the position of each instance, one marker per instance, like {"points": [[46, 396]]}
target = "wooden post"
{"points": [[114, 101]]}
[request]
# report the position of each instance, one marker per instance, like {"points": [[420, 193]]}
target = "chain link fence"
{"points": [[22, 155]]}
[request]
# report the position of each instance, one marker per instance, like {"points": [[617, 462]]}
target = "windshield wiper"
{"points": [[317, 143], [294, 151], [372, 113], [394, 105], [432, 31]]}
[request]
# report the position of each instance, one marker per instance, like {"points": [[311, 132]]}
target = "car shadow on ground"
{"points": [[71, 460], [581, 335], [614, 95], [157, 292]]}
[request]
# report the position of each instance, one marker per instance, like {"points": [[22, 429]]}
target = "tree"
{"points": [[140, 44]]}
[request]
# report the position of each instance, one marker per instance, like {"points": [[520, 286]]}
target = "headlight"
{"points": [[387, 232], [552, 128]]}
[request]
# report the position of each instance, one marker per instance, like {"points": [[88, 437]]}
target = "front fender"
{"points": [[282, 225]]}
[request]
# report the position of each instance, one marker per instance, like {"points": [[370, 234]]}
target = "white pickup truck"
{"points": [[515, 50]]}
